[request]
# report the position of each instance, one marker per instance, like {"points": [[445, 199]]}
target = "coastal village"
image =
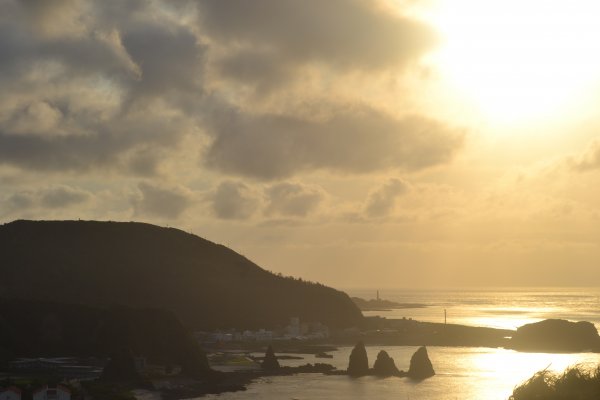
{"points": [[69, 372], [295, 330]]}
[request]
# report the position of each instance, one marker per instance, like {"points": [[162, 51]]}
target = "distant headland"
{"points": [[378, 304]]}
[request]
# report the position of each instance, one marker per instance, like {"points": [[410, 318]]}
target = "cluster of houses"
{"points": [[294, 330], [58, 392]]}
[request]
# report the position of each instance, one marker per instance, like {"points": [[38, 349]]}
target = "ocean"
{"points": [[463, 373], [506, 308]]}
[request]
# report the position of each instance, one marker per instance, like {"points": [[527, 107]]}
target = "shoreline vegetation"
{"points": [[576, 382]]}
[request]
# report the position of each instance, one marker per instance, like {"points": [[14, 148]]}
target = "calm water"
{"points": [[462, 373], [496, 308]]}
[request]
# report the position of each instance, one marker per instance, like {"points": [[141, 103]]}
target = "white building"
{"points": [[263, 335], [52, 393], [222, 337], [10, 393]]}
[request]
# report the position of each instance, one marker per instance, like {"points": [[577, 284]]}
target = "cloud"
{"points": [[293, 199], [233, 200], [63, 196], [84, 88], [267, 40], [382, 201], [171, 60], [589, 160], [356, 139], [52, 197], [94, 85], [162, 202]]}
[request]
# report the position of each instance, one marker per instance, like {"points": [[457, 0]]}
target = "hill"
{"points": [[141, 265], [51, 329]]}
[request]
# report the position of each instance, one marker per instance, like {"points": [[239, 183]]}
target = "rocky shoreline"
{"points": [[358, 366]]}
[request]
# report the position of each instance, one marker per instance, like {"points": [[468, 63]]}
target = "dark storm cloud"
{"points": [[356, 139], [160, 201], [292, 199]]}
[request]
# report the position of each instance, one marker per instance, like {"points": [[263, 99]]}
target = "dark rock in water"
{"points": [[308, 369], [420, 365], [359, 362], [270, 362], [556, 335], [384, 365], [121, 367]]}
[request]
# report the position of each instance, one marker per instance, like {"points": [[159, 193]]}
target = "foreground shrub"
{"points": [[576, 382]]}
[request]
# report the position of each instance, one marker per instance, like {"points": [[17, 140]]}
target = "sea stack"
{"points": [[359, 362], [420, 365], [270, 362], [384, 365]]}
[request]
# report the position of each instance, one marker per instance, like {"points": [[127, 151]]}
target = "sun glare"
{"points": [[520, 60]]}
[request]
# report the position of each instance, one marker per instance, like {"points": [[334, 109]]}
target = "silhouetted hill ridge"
{"points": [[142, 265]]}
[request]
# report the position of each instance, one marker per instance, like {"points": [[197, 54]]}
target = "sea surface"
{"points": [[506, 308], [461, 372]]}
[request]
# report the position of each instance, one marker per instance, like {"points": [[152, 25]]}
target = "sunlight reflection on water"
{"points": [[462, 373], [498, 308]]}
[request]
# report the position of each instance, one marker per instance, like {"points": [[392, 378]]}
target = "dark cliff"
{"points": [[140, 265]]}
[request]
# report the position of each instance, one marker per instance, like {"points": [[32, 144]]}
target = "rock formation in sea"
{"points": [[556, 335], [359, 362], [384, 365], [420, 365], [270, 362]]}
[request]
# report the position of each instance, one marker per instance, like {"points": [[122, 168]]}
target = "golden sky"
{"points": [[381, 143]]}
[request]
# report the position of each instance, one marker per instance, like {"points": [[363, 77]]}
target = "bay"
{"points": [[465, 373]]}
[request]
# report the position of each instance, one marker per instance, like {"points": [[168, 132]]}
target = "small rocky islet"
{"points": [[384, 366]]}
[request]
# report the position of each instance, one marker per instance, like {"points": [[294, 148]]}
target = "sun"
{"points": [[519, 59]]}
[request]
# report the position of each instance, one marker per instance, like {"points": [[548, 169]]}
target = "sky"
{"points": [[358, 143]]}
